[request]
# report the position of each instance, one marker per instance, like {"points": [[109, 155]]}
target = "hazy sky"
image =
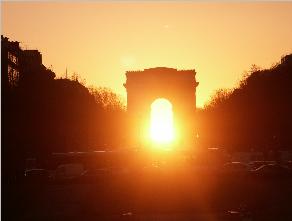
{"points": [[101, 41]]}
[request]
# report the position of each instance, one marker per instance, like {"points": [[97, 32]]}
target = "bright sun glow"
{"points": [[161, 127]]}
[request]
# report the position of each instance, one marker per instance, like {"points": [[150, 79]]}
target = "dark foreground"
{"points": [[155, 195]]}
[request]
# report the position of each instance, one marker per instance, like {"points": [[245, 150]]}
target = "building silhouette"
{"points": [[10, 62], [18, 64]]}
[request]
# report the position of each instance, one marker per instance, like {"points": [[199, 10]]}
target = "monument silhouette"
{"points": [[177, 86]]}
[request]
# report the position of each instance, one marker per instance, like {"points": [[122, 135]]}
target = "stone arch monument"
{"points": [[177, 86]]}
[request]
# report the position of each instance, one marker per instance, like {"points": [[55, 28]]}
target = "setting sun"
{"points": [[161, 127]]}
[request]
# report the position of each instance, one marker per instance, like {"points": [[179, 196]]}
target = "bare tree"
{"points": [[218, 98], [107, 98]]}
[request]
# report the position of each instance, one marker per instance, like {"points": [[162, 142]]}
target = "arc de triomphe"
{"points": [[177, 86]]}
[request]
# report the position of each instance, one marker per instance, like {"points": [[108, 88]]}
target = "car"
{"points": [[37, 176], [68, 172], [256, 164], [233, 172], [95, 175], [272, 171], [234, 167]]}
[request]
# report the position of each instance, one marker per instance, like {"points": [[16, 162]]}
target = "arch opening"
{"points": [[161, 121]]}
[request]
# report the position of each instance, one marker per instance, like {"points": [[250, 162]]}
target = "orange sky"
{"points": [[101, 41]]}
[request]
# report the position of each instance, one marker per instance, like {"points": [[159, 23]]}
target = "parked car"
{"points": [[234, 167], [37, 176], [272, 171], [95, 175], [68, 172], [256, 164]]}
